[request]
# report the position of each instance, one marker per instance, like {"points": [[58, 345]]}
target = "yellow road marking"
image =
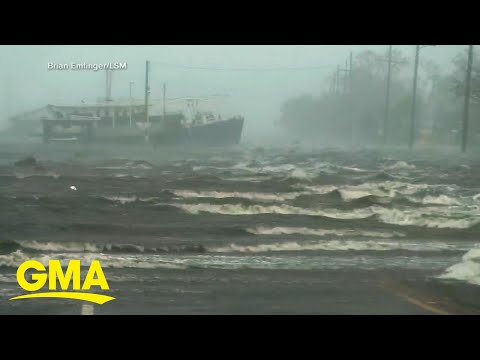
{"points": [[396, 290]]}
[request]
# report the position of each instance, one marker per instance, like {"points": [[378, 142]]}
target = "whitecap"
{"points": [[238, 209], [335, 245], [467, 270], [280, 230], [244, 195], [60, 246], [121, 199], [401, 165]]}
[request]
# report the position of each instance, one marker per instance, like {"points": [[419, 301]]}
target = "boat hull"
{"points": [[219, 133]]}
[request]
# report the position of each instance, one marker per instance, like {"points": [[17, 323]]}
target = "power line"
{"points": [[285, 68]]}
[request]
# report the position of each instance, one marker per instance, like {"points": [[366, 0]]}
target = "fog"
{"points": [[258, 79]]}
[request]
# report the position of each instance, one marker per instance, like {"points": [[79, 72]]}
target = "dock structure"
{"points": [[84, 124], [79, 122]]}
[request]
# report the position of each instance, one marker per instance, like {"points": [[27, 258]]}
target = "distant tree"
{"points": [[376, 65], [330, 117], [459, 76], [431, 69]]}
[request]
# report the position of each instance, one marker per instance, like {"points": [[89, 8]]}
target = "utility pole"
{"points": [[387, 97], [414, 100], [147, 91], [468, 86], [8, 98], [345, 72], [164, 97], [131, 100], [390, 61], [106, 85], [108, 94], [415, 78], [351, 71], [351, 96], [337, 79]]}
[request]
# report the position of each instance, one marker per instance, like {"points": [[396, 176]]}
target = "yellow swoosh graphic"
{"points": [[95, 298]]}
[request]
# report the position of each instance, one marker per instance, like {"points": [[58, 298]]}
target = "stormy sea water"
{"points": [[246, 230]]}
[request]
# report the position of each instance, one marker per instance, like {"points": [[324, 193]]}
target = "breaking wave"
{"points": [[336, 245], [436, 200], [24, 175], [262, 230], [230, 261], [318, 189], [236, 209], [426, 217], [401, 165], [85, 247], [467, 270], [60, 247], [107, 260], [431, 217], [122, 199], [381, 189], [130, 199], [129, 165], [244, 195]]}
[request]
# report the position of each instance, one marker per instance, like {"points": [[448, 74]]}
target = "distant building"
{"points": [[82, 121], [114, 114]]}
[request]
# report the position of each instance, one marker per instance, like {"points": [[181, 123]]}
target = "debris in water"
{"points": [[73, 188]]}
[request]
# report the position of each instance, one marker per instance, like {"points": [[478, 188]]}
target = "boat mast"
{"points": [[108, 92], [147, 92], [108, 85], [8, 97], [164, 94]]}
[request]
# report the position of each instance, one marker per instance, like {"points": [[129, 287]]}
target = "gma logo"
{"points": [[95, 277]]}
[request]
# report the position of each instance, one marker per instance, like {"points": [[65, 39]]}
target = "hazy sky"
{"points": [[27, 83]]}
